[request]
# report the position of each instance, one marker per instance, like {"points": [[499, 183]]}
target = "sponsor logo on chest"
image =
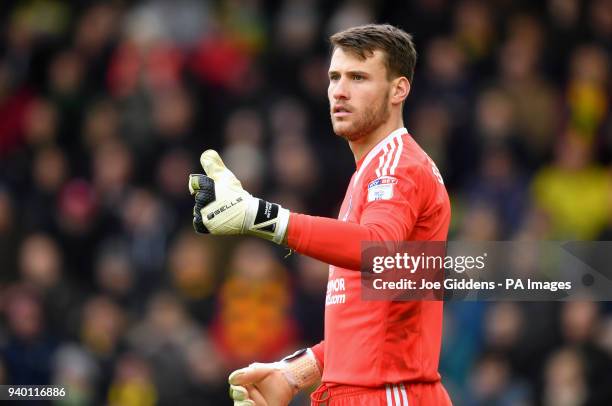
{"points": [[336, 289]]}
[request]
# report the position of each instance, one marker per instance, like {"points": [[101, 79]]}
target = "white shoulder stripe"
{"points": [[381, 160], [376, 150], [400, 147], [389, 158]]}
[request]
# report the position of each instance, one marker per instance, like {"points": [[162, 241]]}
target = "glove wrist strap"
{"points": [[266, 220], [301, 369]]}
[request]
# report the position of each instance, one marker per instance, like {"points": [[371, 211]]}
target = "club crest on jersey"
{"points": [[381, 188]]}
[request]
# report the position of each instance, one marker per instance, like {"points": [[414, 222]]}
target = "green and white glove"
{"points": [[223, 207], [274, 384]]}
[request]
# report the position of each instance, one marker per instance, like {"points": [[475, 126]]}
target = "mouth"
{"points": [[340, 111]]}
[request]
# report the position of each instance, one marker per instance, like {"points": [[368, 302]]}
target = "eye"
{"points": [[333, 77], [357, 77]]}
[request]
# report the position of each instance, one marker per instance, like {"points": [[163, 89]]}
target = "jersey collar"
{"points": [[377, 148]]}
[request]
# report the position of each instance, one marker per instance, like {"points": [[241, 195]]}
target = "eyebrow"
{"points": [[350, 72]]}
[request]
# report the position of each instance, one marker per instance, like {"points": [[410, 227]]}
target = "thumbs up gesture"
{"points": [[223, 207]]}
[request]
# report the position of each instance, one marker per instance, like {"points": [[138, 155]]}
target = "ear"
{"points": [[399, 90]]}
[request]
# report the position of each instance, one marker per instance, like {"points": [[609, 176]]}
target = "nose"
{"points": [[339, 89]]}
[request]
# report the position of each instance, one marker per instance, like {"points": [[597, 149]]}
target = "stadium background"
{"points": [[106, 106]]}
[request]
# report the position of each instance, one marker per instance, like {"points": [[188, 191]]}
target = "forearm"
{"points": [[319, 352], [333, 241]]}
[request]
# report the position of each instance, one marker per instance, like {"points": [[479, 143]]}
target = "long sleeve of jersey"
{"points": [[338, 243], [319, 352]]}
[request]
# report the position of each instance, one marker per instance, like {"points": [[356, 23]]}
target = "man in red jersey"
{"points": [[374, 352]]}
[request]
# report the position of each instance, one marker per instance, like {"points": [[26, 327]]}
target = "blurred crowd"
{"points": [[105, 108]]}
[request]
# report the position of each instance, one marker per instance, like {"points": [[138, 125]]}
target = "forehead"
{"points": [[342, 60]]}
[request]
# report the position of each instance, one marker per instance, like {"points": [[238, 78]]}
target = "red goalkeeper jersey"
{"points": [[396, 194]]}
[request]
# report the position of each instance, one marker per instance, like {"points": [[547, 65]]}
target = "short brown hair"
{"points": [[397, 45]]}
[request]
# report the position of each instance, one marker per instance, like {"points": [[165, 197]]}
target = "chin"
{"points": [[341, 129], [346, 132]]}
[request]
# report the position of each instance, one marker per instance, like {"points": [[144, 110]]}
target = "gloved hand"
{"points": [[223, 207], [274, 384]]}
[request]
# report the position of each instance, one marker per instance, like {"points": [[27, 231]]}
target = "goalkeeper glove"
{"points": [[223, 207], [274, 384]]}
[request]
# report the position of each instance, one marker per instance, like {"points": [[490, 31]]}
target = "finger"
{"points": [[200, 182], [212, 164], [198, 225], [215, 168], [205, 197], [249, 375], [194, 183], [238, 392], [256, 396], [201, 200]]}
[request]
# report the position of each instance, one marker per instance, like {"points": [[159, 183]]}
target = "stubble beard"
{"points": [[366, 123]]}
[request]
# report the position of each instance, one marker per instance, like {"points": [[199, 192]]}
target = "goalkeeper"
{"points": [[373, 353]]}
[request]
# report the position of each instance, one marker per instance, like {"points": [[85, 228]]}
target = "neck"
{"points": [[361, 146]]}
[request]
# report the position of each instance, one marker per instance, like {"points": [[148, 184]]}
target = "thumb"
{"points": [[213, 165], [250, 375], [215, 168]]}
